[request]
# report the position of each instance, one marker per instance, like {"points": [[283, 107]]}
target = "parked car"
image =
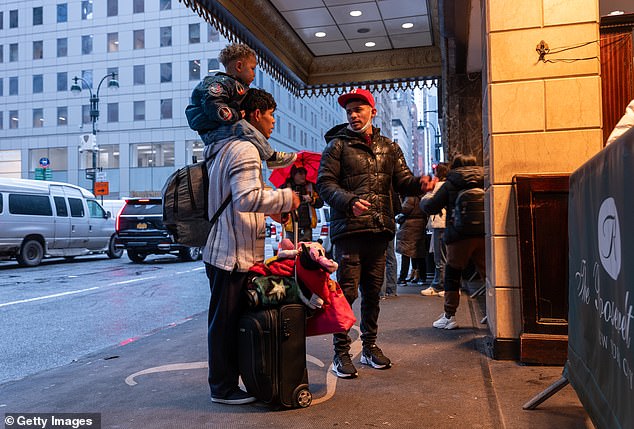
{"points": [[321, 233], [140, 231], [40, 218]]}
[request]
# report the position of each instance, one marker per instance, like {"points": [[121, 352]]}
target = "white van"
{"points": [[39, 218]]}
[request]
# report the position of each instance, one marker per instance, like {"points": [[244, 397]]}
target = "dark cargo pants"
{"points": [[361, 268]]}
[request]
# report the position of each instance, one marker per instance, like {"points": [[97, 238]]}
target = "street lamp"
{"points": [[436, 137], [94, 113]]}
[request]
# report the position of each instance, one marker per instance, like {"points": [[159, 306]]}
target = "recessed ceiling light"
{"points": [[407, 25], [363, 30], [356, 13], [370, 44], [320, 34]]}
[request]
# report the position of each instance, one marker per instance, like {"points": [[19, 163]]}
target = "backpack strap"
{"points": [[224, 205], [209, 161]]}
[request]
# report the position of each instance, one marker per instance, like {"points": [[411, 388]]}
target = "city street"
{"points": [[55, 313]]}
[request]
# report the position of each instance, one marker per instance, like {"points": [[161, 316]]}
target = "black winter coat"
{"points": [[350, 170], [457, 180]]}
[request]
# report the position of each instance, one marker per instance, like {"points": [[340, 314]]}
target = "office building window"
{"points": [[86, 9], [152, 154], [38, 118], [62, 116], [166, 4], [113, 8], [166, 72], [38, 84], [194, 70], [1, 53], [139, 110], [194, 151], [1, 87], [13, 85], [86, 45], [62, 81], [85, 114], [1, 120], [13, 19], [1, 20], [166, 108], [213, 65], [13, 52], [113, 42], [38, 50], [139, 39], [139, 74], [138, 6], [113, 112], [194, 33], [14, 119], [62, 12], [212, 34], [109, 155], [166, 36], [37, 16], [58, 157], [87, 76], [62, 47]]}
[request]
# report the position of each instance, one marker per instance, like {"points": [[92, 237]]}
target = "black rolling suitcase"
{"points": [[272, 355]]}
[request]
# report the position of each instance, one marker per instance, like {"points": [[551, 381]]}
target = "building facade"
{"points": [[159, 51]]}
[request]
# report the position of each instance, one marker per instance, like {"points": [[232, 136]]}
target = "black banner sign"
{"points": [[600, 363]]}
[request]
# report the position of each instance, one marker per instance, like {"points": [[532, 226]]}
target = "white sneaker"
{"points": [[445, 322], [430, 291]]}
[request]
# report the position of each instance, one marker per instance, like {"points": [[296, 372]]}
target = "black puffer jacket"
{"points": [[350, 169], [457, 180]]}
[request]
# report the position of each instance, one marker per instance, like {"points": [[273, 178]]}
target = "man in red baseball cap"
{"points": [[358, 170]]}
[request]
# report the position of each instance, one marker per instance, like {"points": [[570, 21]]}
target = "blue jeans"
{"points": [[440, 259], [361, 261], [389, 280]]}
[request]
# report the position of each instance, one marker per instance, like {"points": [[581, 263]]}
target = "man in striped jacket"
{"points": [[236, 241]]}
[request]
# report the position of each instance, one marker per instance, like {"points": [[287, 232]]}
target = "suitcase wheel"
{"points": [[303, 398]]}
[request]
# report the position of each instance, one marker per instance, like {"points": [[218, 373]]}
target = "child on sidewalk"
{"points": [[215, 101]]}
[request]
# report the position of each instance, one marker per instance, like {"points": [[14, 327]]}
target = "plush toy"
{"points": [[310, 265], [313, 270]]}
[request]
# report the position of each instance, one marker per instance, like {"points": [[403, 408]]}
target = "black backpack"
{"points": [[468, 212], [185, 205]]}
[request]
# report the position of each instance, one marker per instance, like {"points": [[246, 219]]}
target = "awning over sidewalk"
{"points": [[290, 49]]}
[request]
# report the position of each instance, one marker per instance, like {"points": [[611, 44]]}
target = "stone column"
{"points": [[538, 117]]}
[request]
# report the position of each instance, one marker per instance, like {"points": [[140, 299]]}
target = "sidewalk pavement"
{"points": [[439, 379]]}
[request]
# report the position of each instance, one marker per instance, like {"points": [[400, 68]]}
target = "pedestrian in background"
{"points": [[389, 287], [411, 237], [461, 248], [310, 200], [437, 223]]}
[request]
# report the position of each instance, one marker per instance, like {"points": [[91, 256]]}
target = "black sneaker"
{"points": [[374, 357], [237, 397], [343, 367]]}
